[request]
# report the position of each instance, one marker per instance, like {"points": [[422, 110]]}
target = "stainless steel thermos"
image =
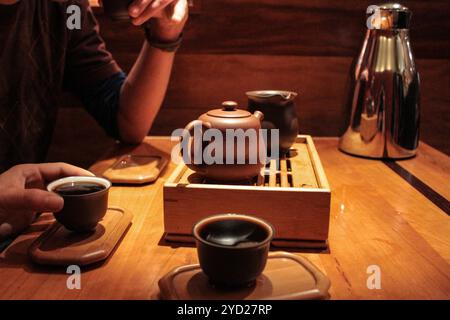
{"points": [[385, 99]]}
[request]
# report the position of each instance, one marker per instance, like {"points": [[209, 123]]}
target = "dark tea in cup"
{"points": [[78, 188], [232, 248], [85, 201]]}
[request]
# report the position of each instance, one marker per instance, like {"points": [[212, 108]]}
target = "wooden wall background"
{"points": [[232, 46]]}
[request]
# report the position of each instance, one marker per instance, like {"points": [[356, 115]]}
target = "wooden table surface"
{"points": [[377, 218]]}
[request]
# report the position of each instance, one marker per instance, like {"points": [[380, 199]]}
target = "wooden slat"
{"points": [[295, 180], [273, 173], [176, 175], [302, 168], [320, 175], [283, 174], [189, 176]]}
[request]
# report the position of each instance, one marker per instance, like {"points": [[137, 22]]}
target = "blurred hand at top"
{"points": [[23, 194], [170, 16]]}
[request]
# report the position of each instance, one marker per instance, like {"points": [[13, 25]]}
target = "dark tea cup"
{"points": [[116, 9], [85, 201], [232, 248]]}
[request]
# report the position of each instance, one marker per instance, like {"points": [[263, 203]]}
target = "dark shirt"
{"points": [[79, 63]]}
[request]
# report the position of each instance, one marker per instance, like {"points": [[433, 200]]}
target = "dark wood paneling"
{"points": [[291, 27], [435, 98], [200, 82]]}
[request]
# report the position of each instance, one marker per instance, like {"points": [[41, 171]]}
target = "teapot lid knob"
{"points": [[229, 105]]}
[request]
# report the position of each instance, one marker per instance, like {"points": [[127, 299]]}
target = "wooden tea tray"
{"points": [[59, 246], [292, 194], [286, 277]]}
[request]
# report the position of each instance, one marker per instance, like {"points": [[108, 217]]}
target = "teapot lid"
{"points": [[229, 110]]}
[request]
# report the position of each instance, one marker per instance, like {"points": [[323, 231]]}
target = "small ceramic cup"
{"points": [[232, 248], [82, 212], [280, 113]]}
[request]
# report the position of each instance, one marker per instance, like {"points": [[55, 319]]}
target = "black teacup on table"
{"points": [[232, 248], [85, 201]]}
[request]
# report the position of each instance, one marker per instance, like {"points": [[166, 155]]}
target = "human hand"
{"points": [[23, 193], [170, 16]]}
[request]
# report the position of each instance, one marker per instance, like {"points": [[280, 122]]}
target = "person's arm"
{"points": [[125, 106], [143, 90]]}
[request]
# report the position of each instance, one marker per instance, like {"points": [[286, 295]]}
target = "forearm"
{"points": [[143, 93]]}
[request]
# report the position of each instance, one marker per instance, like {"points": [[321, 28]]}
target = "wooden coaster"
{"points": [[286, 277], [135, 169], [59, 246]]}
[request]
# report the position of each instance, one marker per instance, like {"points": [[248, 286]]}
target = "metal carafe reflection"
{"points": [[384, 120]]}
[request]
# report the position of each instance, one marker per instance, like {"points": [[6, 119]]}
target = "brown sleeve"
{"points": [[87, 61]]}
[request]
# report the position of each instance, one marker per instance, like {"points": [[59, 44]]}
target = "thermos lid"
{"points": [[393, 7], [390, 16]]}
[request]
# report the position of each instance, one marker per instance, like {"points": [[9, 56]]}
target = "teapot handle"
{"points": [[188, 134]]}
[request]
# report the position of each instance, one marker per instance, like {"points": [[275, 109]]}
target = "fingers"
{"points": [[42, 201], [30, 200], [16, 223], [142, 10], [37, 175], [137, 7]]}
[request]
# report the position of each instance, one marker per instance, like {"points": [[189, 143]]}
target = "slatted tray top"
{"points": [[295, 170]]}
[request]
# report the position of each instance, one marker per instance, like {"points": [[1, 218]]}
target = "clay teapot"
{"points": [[228, 159]]}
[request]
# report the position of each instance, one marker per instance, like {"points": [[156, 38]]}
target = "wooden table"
{"points": [[377, 218]]}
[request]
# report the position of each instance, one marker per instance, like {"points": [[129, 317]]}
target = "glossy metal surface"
{"points": [[384, 120]]}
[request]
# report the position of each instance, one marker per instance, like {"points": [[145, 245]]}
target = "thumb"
{"points": [[35, 200]]}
